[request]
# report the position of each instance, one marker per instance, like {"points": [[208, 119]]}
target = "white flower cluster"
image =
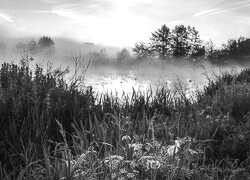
{"points": [[153, 164], [130, 175], [70, 163], [136, 146], [113, 161], [126, 137], [137, 149], [150, 162], [124, 174]]}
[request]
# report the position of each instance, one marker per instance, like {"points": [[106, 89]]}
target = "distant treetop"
{"points": [[182, 41], [45, 42]]}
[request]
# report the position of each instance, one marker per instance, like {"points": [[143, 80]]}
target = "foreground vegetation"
{"points": [[53, 129]]}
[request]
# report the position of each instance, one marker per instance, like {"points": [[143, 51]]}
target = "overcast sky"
{"points": [[123, 22]]}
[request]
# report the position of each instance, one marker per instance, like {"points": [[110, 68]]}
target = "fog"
{"points": [[152, 73], [63, 51], [108, 72]]}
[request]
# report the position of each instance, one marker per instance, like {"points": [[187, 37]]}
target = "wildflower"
{"points": [[80, 160], [179, 142], [72, 163], [150, 162], [172, 150], [91, 149], [136, 172], [130, 175], [208, 117], [79, 173], [113, 161], [148, 148], [128, 122], [192, 152], [136, 146], [137, 153], [147, 157], [121, 178], [123, 171], [153, 164], [157, 144], [113, 175], [126, 138], [132, 164]]}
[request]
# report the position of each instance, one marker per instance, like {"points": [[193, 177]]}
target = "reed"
{"points": [[52, 129]]}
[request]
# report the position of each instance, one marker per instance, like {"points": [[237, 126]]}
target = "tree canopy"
{"points": [[161, 41], [182, 41], [45, 42], [237, 50]]}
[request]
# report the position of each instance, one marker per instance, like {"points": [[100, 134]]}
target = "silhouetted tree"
{"points": [[232, 48], [209, 48], [180, 44], [161, 42], [182, 41], [186, 42], [197, 48], [123, 55], [237, 50], [142, 50], [244, 47], [45, 42], [32, 46]]}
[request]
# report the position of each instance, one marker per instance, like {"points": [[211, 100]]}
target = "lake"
{"points": [[123, 79]]}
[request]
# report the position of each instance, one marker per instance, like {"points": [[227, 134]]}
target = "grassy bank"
{"points": [[53, 129]]}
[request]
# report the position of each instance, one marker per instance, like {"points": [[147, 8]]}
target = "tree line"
{"points": [[184, 42], [181, 42], [32, 46], [44, 43]]}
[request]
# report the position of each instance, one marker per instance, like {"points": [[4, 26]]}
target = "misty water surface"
{"points": [[152, 75], [122, 78]]}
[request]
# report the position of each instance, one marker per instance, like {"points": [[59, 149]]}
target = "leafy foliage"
{"points": [[142, 50], [236, 50], [161, 41], [45, 42], [182, 41], [186, 42]]}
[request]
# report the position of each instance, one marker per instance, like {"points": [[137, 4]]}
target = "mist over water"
{"points": [[152, 75], [106, 74]]}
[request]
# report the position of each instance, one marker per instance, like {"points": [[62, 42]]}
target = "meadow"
{"points": [[53, 128]]}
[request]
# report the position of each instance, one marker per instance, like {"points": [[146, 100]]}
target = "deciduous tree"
{"points": [[142, 50], [45, 42], [161, 42]]}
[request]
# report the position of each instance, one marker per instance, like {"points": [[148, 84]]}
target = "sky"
{"points": [[123, 23]]}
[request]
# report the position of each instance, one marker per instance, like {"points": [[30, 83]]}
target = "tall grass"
{"points": [[52, 129]]}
